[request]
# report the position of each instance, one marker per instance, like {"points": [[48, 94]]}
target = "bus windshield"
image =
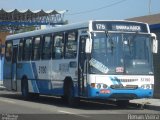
{"points": [[121, 53]]}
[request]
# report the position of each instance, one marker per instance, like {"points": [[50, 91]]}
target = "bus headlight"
{"points": [[143, 86], [147, 86], [98, 86], [105, 86]]}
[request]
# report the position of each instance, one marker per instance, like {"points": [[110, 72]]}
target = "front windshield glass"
{"points": [[121, 53]]}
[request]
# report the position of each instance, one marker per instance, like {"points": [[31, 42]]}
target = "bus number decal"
{"points": [[100, 26], [42, 69]]}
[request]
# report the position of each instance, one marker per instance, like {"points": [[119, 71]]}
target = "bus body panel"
{"points": [[46, 77]]}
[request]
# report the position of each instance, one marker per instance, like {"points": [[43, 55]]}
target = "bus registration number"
{"points": [[42, 69]]}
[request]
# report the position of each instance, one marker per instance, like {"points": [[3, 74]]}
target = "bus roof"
{"points": [[48, 30], [61, 28]]}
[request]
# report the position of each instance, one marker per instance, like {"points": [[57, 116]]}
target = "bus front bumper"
{"points": [[119, 94]]}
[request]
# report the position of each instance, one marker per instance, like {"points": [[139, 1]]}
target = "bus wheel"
{"points": [[24, 89], [72, 101], [122, 103]]}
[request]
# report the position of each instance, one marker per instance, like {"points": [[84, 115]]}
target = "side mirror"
{"points": [[155, 46], [154, 43], [88, 45]]}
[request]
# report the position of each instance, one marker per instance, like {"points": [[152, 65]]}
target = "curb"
{"points": [[151, 107], [137, 105], [145, 106], [2, 88]]}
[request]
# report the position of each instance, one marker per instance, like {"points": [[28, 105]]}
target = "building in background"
{"points": [[154, 22], [16, 21]]}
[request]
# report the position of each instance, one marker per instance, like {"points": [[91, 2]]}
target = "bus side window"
{"points": [[20, 51], [71, 45], [46, 47], [27, 49], [9, 50], [58, 46], [36, 48]]}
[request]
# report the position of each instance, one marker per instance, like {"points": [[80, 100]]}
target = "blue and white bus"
{"points": [[92, 60]]}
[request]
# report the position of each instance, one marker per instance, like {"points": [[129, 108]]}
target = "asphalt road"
{"points": [[14, 107]]}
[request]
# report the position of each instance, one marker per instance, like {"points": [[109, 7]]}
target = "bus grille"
{"points": [[128, 80], [124, 87]]}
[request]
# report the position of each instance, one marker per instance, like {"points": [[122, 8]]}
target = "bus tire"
{"points": [[24, 89], [71, 99]]}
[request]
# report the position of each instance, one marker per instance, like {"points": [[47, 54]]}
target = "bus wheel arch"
{"points": [[25, 89]]}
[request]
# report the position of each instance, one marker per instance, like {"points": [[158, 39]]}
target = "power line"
{"points": [[96, 9], [149, 7]]}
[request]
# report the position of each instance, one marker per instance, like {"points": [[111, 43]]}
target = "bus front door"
{"points": [[14, 69], [82, 67]]}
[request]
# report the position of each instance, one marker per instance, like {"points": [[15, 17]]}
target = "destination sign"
{"points": [[126, 27], [119, 26]]}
